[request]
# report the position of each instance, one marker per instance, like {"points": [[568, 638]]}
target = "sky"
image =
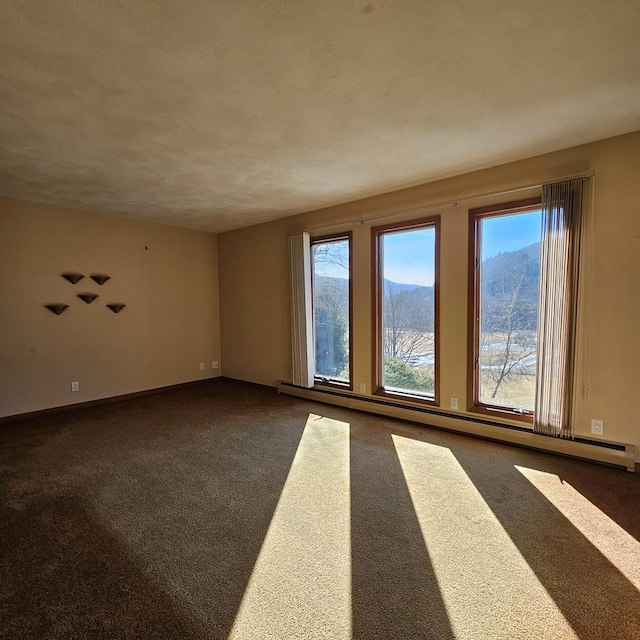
{"points": [[409, 255], [510, 233]]}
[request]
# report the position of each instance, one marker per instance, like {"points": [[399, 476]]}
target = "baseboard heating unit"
{"points": [[614, 453]]}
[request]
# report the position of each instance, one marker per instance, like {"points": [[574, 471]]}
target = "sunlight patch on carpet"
{"points": [[301, 583], [487, 586], [611, 540]]}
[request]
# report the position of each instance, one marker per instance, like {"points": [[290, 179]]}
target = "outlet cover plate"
{"points": [[597, 427]]}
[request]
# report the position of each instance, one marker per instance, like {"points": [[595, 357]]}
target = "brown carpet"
{"points": [[226, 511]]}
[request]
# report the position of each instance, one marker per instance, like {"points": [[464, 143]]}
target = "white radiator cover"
{"points": [[624, 456]]}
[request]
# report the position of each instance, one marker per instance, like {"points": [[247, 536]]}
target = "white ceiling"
{"points": [[216, 114]]}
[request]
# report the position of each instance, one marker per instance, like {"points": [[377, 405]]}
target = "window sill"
{"points": [[406, 397], [332, 384], [502, 412]]}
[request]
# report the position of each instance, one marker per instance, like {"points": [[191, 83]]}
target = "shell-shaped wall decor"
{"points": [[73, 278], [57, 307], [87, 297], [116, 307], [100, 278]]}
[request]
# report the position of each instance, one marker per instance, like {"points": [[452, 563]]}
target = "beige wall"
{"points": [[169, 326], [254, 294]]}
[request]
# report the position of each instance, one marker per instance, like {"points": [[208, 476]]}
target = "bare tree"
{"points": [[331, 327], [408, 316], [508, 341], [408, 323], [331, 308], [331, 256]]}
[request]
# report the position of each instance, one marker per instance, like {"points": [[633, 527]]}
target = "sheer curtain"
{"points": [[302, 343], [562, 222]]}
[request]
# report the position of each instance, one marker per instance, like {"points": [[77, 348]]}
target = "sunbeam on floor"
{"points": [[611, 540], [487, 586], [301, 583]]}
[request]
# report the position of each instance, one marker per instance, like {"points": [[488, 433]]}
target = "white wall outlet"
{"points": [[214, 364], [75, 386], [454, 403], [597, 427], [363, 387], [202, 366]]}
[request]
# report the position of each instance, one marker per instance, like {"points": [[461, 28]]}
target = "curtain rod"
{"points": [[454, 203]]}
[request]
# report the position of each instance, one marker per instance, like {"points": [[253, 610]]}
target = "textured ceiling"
{"points": [[219, 114]]}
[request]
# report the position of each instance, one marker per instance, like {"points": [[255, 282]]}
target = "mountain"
{"points": [[397, 287], [409, 307], [343, 284], [509, 295]]}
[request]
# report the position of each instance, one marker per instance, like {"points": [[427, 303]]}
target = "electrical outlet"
{"points": [[597, 427], [202, 365], [454, 403], [75, 386], [214, 364], [363, 387]]}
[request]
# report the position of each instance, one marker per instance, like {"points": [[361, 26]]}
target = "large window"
{"points": [[505, 276], [405, 260], [331, 276]]}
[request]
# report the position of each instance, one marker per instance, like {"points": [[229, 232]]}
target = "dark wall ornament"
{"points": [[116, 307], [57, 307], [87, 297], [73, 278], [100, 278]]}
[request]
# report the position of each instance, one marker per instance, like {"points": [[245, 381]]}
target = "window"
{"points": [[503, 307], [405, 258], [331, 281]]}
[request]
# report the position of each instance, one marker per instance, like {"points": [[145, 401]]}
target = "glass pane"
{"points": [[408, 313], [331, 308], [509, 277]]}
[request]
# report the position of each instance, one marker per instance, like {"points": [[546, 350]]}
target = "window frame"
{"points": [[476, 216], [377, 297], [321, 381]]}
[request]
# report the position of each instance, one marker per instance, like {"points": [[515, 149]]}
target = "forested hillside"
{"points": [[510, 290], [509, 300]]}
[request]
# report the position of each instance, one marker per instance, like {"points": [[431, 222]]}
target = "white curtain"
{"points": [[562, 222], [302, 341]]}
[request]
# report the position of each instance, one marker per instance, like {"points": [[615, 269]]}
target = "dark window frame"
{"points": [[476, 216], [322, 381], [377, 300]]}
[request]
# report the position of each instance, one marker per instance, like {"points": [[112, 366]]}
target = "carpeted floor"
{"points": [[226, 511]]}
